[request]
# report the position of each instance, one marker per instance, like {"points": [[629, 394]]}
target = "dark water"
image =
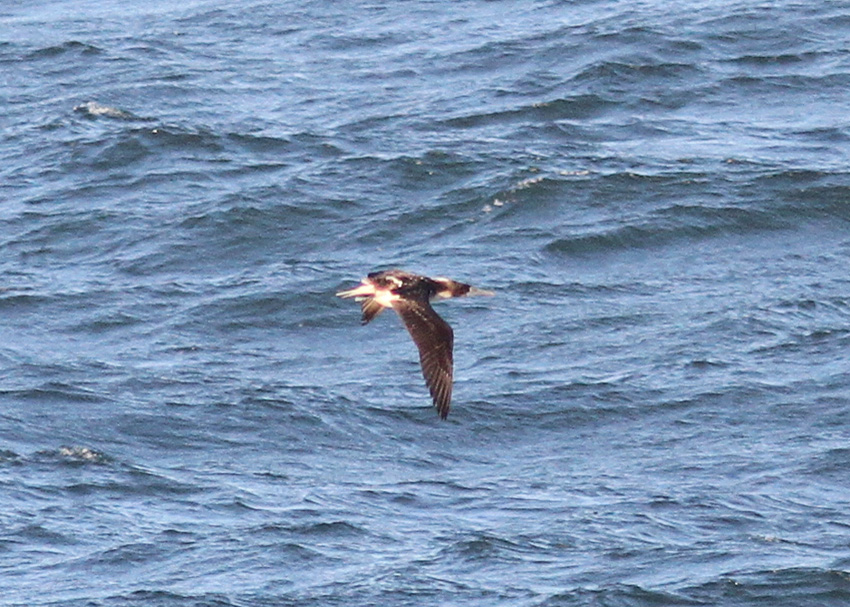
{"points": [[654, 410]]}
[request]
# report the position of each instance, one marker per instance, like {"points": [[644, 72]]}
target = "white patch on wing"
{"points": [[385, 297]]}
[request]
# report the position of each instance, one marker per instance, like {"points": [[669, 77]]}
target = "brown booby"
{"points": [[410, 295]]}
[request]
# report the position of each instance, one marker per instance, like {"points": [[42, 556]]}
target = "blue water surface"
{"points": [[653, 409]]}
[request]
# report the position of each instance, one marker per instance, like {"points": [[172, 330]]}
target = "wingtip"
{"points": [[443, 404], [442, 397]]}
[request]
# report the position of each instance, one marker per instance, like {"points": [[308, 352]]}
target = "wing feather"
{"points": [[370, 309], [435, 340]]}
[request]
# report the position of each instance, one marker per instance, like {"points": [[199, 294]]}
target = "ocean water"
{"points": [[653, 410]]}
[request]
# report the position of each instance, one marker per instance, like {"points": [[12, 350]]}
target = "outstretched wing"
{"points": [[435, 340]]}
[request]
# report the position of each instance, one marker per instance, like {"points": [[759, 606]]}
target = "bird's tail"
{"points": [[359, 292], [368, 305]]}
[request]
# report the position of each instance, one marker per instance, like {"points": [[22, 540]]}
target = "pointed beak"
{"points": [[477, 291]]}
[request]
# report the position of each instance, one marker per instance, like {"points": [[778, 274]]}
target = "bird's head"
{"points": [[447, 288]]}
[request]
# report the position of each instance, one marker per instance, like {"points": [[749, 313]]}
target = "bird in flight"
{"points": [[410, 295]]}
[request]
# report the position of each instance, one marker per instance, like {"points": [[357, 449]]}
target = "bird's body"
{"points": [[410, 295]]}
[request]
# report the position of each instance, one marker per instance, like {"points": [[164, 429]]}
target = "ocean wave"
{"points": [[69, 47], [670, 226], [783, 586]]}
